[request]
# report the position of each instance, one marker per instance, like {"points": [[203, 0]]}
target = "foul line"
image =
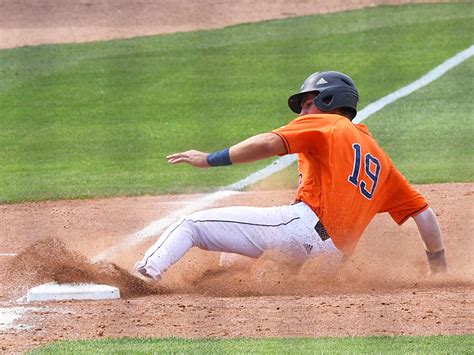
{"points": [[159, 225], [418, 84]]}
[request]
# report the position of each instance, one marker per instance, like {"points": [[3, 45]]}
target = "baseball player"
{"points": [[345, 180]]}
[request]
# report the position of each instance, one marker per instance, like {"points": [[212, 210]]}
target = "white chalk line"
{"points": [[9, 315], [162, 223], [230, 190], [417, 84], [8, 254], [279, 164]]}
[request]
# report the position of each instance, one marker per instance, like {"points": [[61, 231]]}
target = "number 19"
{"points": [[369, 162]]}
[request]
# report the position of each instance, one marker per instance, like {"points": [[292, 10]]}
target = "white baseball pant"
{"points": [[248, 231]]}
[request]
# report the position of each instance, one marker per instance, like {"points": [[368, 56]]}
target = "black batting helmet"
{"points": [[334, 90]]}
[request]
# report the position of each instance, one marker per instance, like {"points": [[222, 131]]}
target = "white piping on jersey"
{"points": [[279, 164]]}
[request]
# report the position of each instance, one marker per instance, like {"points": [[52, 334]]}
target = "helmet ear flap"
{"points": [[324, 101], [338, 97], [336, 91], [327, 99]]}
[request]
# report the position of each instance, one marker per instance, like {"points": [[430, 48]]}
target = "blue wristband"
{"points": [[219, 158]]}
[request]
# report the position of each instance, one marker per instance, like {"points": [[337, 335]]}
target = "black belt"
{"points": [[322, 232]]}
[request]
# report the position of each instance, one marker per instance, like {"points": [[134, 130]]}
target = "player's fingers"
{"points": [[178, 160], [176, 155], [181, 158], [192, 157]]}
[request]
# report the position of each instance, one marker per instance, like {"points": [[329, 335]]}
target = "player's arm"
{"points": [[255, 148], [258, 147], [430, 233]]}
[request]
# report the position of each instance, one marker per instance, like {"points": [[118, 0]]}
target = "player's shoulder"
{"points": [[362, 128], [346, 126]]}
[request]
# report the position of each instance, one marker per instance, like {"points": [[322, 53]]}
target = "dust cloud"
{"points": [[49, 260]]}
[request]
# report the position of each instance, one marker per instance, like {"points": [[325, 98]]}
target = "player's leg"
{"points": [[241, 230], [231, 229], [298, 243], [246, 231]]}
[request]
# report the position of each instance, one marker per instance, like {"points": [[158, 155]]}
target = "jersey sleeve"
{"points": [[306, 134], [402, 200]]}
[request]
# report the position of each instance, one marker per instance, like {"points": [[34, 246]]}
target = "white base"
{"points": [[60, 292]]}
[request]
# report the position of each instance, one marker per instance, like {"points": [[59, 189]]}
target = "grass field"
{"points": [[355, 345], [97, 119], [429, 133]]}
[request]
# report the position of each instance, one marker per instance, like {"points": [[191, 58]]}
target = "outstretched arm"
{"points": [[430, 233], [258, 147]]}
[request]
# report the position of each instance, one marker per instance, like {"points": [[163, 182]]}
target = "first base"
{"points": [[62, 292]]}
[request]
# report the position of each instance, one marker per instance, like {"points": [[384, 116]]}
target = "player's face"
{"points": [[307, 105]]}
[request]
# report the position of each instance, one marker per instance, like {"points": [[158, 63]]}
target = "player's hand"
{"points": [[192, 157]]}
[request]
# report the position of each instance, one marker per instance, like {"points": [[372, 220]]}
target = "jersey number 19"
{"points": [[372, 170]]}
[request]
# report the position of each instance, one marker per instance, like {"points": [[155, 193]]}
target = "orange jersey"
{"points": [[345, 177]]}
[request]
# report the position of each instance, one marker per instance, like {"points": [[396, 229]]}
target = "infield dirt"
{"points": [[383, 289], [32, 22]]}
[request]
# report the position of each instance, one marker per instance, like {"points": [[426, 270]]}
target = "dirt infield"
{"points": [[31, 22], [383, 289]]}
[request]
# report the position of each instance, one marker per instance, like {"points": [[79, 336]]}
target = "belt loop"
{"points": [[323, 234]]}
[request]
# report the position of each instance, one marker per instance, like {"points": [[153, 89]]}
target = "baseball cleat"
{"points": [[142, 271]]}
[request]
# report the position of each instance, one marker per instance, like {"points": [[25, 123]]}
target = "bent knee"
{"points": [[189, 229]]}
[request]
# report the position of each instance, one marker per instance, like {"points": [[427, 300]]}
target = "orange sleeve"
{"points": [[306, 134], [402, 201]]}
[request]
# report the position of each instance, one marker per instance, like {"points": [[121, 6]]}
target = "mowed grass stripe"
{"points": [[429, 133], [90, 120], [456, 344]]}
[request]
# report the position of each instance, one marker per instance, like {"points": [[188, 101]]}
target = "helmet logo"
{"points": [[321, 81]]}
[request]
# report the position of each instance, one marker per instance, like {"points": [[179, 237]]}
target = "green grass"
{"points": [[352, 345], [430, 133], [97, 119]]}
